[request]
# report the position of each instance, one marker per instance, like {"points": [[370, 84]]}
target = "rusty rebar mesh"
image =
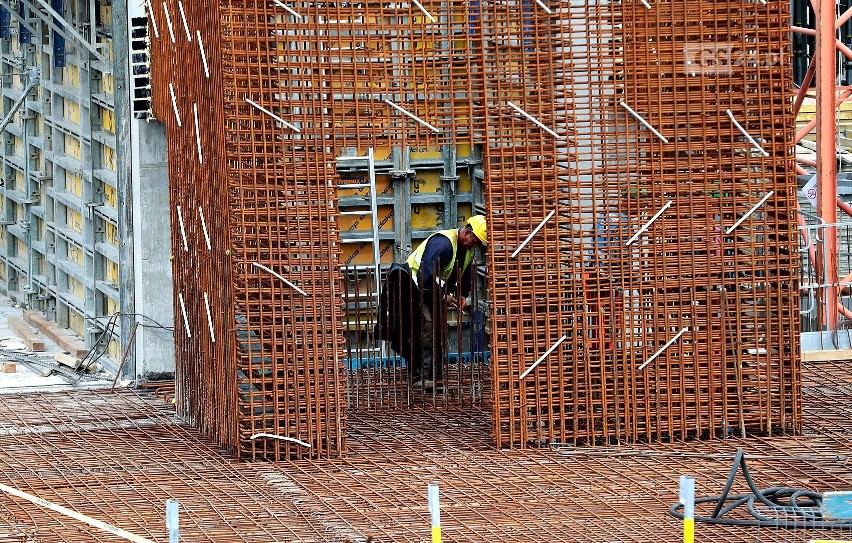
{"points": [[728, 297], [337, 75], [328, 74], [266, 255], [118, 457]]}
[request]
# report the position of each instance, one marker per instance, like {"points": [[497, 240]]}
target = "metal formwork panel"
{"points": [[59, 239]]}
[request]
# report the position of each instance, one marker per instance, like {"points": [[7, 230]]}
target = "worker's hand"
{"points": [[459, 303]]}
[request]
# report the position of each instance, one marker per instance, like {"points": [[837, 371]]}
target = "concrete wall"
{"points": [[155, 352]]}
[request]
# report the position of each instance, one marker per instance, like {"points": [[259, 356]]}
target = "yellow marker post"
{"points": [[435, 512], [687, 498]]}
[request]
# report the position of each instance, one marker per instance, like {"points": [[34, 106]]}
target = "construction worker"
{"points": [[410, 294]]}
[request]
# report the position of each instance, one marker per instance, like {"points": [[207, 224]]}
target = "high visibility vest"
{"points": [[416, 257]]}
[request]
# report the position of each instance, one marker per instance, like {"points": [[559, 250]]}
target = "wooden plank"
{"points": [[828, 355], [31, 339]]}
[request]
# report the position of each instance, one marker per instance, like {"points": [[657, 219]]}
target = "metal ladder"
{"points": [[373, 212], [370, 201]]}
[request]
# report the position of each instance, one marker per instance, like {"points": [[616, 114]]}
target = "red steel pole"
{"points": [[827, 150]]}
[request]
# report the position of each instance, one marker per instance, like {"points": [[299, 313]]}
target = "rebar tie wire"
{"points": [[796, 502]]}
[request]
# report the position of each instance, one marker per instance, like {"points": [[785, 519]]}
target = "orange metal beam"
{"points": [[826, 120]]}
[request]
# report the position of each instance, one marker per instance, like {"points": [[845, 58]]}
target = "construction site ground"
{"points": [[117, 457], [18, 375]]}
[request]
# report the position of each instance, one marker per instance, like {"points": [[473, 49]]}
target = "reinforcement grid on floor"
{"points": [[118, 457], [659, 296]]}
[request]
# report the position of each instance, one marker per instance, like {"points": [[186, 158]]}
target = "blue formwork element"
{"points": [[58, 39], [376, 362], [836, 506], [474, 16], [528, 15], [466, 358], [399, 362], [5, 24], [23, 34]]}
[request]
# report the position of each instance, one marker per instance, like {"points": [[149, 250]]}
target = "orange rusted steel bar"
{"points": [[812, 123], [812, 32], [803, 90], [846, 208]]}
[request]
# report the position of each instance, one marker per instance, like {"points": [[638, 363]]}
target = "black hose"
{"points": [[799, 506]]}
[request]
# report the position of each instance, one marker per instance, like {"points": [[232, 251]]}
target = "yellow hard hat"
{"points": [[479, 226]]}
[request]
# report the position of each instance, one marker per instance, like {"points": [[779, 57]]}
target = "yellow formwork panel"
{"points": [[379, 153], [463, 150], [384, 186], [75, 254], [20, 248], [114, 350], [2, 270], [108, 120], [464, 184], [112, 306], [111, 234], [76, 288], [109, 159], [19, 182], [108, 86], [364, 223], [74, 220], [19, 147], [106, 15], [74, 183], [70, 112], [426, 152], [110, 196], [465, 211], [71, 75], [72, 147], [361, 254], [111, 272], [426, 182], [76, 321], [425, 216]]}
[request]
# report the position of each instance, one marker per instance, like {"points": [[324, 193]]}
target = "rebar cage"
{"points": [[639, 187]]}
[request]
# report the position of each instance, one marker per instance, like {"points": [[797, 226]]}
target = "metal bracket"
{"points": [[31, 84], [14, 12], [75, 36]]}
